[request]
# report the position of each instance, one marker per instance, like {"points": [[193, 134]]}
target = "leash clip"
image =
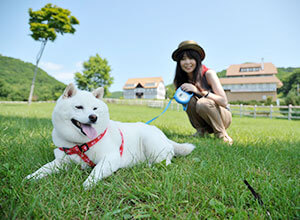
{"points": [[83, 148]]}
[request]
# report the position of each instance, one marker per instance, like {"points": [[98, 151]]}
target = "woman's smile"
{"points": [[187, 64]]}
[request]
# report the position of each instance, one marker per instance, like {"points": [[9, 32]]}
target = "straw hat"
{"points": [[188, 45]]}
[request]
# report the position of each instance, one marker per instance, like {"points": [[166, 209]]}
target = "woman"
{"points": [[207, 109]]}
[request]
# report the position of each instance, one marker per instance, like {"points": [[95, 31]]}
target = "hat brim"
{"points": [[189, 47]]}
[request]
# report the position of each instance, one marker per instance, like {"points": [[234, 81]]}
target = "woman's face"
{"points": [[187, 64]]}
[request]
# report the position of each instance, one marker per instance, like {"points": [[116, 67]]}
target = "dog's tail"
{"points": [[182, 149]]}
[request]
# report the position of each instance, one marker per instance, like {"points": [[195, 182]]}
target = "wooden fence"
{"points": [[288, 112]]}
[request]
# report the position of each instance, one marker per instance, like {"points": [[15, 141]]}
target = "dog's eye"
{"points": [[95, 108], [79, 107]]}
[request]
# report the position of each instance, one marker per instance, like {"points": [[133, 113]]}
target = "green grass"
{"points": [[206, 184]]}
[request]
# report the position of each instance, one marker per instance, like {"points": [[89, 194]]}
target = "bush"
{"points": [[268, 101], [251, 102], [292, 98]]}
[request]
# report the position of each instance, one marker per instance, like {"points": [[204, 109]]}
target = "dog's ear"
{"points": [[69, 92], [99, 92]]}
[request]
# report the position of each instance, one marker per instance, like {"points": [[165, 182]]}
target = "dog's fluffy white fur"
{"points": [[142, 142]]}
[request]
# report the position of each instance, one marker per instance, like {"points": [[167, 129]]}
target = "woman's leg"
{"points": [[215, 117], [197, 122]]}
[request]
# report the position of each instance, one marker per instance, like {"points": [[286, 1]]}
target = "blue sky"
{"points": [[137, 37]]}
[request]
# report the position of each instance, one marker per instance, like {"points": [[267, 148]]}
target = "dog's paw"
{"points": [[168, 161], [35, 176], [88, 184], [30, 176]]}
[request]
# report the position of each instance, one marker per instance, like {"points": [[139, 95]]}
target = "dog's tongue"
{"points": [[89, 131]]}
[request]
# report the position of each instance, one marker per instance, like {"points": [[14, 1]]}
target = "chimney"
{"points": [[262, 64]]}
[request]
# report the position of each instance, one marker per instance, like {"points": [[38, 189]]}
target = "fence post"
{"points": [[290, 112], [254, 115], [271, 110], [241, 110]]}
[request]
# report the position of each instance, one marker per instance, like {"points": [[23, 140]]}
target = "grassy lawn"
{"points": [[206, 184]]}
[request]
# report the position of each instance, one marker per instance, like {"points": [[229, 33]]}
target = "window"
{"points": [[150, 84], [250, 69]]}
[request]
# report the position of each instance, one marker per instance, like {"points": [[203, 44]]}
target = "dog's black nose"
{"points": [[93, 118]]}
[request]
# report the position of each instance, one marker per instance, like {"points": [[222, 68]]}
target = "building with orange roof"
{"points": [[251, 81], [146, 88]]}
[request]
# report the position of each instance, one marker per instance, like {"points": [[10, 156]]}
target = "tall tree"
{"points": [[290, 82], [96, 73], [44, 24]]}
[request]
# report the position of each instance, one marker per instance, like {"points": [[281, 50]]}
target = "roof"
{"points": [[147, 82], [234, 70], [251, 80]]}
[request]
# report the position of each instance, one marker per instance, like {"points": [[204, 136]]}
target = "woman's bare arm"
{"points": [[219, 95]]}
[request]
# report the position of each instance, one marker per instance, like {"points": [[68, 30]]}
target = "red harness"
{"points": [[81, 149]]}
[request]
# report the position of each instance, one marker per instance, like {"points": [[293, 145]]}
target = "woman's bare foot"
{"points": [[225, 137], [228, 139]]}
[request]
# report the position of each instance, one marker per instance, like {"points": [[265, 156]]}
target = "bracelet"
{"points": [[206, 94]]}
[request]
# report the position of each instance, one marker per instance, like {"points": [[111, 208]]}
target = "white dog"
{"points": [[84, 134]]}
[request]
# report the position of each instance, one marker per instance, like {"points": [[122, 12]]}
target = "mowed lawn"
{"points": [[208, 183]]}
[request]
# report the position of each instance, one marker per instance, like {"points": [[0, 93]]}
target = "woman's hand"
{"points": [[188, 87]]}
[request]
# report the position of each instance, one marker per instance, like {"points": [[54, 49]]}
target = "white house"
{"points": [[144, 88]]}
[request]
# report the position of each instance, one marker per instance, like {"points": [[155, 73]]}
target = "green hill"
{"points": [[290, 77], [284, 73], [16, 77]]}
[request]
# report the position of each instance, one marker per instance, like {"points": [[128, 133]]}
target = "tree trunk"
{"points": [[36, 69]]}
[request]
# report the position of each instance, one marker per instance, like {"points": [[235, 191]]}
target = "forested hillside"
{"points": [[16, 77], [286, 72]]}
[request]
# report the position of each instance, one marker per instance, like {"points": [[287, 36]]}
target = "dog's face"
{"points": [[80, 116]]}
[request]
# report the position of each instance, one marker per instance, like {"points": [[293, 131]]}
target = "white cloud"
{"points": [[59, 71], [65, 77], [48, 66]]}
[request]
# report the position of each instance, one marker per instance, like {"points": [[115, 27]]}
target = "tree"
{"points": [[4, 90], [96, 74], [170, 91], [290, 83], [291, 91], [222, 74], [292, 98], [44, 24]]}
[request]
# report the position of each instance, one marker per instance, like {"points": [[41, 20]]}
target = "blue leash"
{"points": [[168, 105], [181, 97]]}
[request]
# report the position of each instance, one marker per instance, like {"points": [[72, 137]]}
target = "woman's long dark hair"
{"points": [[182, 77]]}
